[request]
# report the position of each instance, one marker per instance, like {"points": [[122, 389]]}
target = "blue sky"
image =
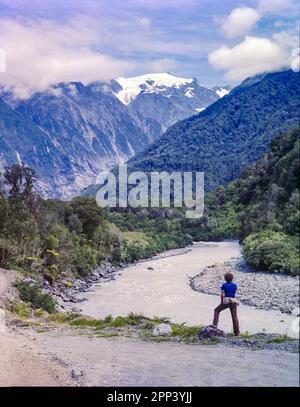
{"points": [[216, 41]]}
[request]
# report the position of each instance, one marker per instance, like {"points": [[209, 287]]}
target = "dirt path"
{"points": [[21, 362], [5, 279], [23, 365], [130, 362]]}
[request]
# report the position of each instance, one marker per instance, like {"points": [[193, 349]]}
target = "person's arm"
{"points": [[222, 294]]}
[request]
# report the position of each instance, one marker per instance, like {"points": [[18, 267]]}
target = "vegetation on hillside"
{"points": [[154, 229], [230, 134], [261, 208], [52, 238]]}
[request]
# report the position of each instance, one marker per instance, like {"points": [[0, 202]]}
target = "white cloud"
{"points": [[267, 6], [257, 54], [161, 65], [42, 53], [252, 56], [240, 21]]}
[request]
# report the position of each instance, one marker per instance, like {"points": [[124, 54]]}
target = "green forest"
{"points": [[54, 238], [51, 238], [230, 134], [261, 208]]}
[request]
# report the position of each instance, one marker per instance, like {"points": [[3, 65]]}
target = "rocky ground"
{"points": [[148, 330], [38, 351], [262, 290], [65, 289], [261, 341], [92, 360]]}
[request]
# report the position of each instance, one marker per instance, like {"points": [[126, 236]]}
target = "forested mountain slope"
{"points": [[261, 207], [231, 133]]}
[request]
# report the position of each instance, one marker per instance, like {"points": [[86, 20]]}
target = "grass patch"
{"points": [[40, 313], [22, 309], [143, 325], [108, 322], [244, 335], [160, 320], [131, 319], [281, 338], [85, 322], [62, 317], [185, 331]]}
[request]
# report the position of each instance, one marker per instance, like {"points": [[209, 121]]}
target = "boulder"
{"points": [[210, 331], [162, 330], [77, 374]]}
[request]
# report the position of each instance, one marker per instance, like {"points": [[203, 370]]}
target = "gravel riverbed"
{"points": [[258, 289], [65, 290]]}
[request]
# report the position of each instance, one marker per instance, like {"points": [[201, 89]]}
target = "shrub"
{"points": [[32, 294], [272, 251], [137, 245], [8, 252], [84, 259]]}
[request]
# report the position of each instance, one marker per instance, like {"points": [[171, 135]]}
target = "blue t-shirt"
{"points": [[229, 289]]}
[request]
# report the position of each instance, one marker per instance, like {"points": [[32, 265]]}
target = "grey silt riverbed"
{"points": [[161, 287]]}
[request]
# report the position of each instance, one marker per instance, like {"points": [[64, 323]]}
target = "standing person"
{"points": [[228, 300]]}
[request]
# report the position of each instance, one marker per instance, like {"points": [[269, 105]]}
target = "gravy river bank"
{"points": [[161, 287]]}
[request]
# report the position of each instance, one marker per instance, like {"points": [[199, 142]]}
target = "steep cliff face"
{"points": [[86, 128], [22, 140], [72, 132]]}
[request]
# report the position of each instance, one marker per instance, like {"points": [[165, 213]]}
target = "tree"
{"points": [[88, 212], [20, 181]]}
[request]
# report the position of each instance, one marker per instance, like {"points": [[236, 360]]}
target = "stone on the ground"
{"points": [[76, 374], [162, 330], [209, 332]]}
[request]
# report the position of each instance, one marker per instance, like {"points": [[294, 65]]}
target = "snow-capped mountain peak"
{"points": [[158, 100], [149, 83], [222, 91]]}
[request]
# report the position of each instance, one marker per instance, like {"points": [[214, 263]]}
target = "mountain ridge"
{"points": [[229, 134], [157, 101], [89, 130]]}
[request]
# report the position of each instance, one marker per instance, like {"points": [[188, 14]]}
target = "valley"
{"points": [[86, 279], [149, 199], [161, 287], [72, 132], [81, 353], [230, 134]]}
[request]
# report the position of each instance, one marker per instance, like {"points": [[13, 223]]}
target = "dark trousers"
{"points": [[233, 310]]}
